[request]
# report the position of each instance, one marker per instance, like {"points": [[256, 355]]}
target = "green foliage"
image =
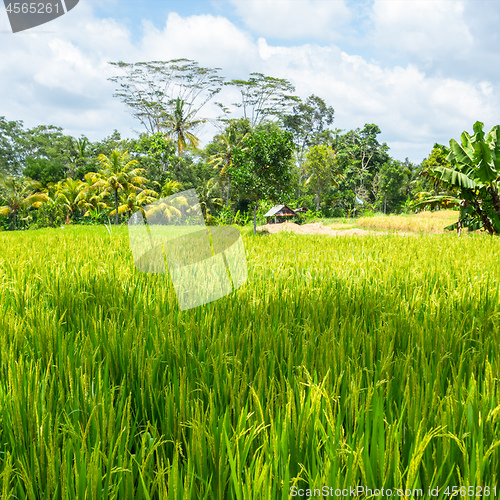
{"points": [[19, 195], [178, 125], [117, 174], [473, 176], [157, 156], [307, 123], [391, 184], [262, 166], [321, 169], [11, 150], [360, 157], [44, 170], [264, 98]]}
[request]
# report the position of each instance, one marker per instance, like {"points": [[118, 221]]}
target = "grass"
{"points": [[343, 361]]}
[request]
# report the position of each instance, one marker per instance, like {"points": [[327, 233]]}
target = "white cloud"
{"points": [[289, 19], [212, 41], [426, 30]]}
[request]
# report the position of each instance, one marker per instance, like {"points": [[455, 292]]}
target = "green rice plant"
{"points": [[341, 362]]}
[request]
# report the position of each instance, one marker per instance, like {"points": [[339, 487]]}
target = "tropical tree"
{"points": [[151, 89], [170, 187], [262, 166], [18, 195], [51, 206], [166, 210], [78, 155], [70, 193], [118, 173], [93, 200], [157, 155], [389, 185], [426, 190], [133, 199], [322, 170], [11, 146], [226, 144], [178, 126], [307, 122], [264, 98], [209, 199], [474, 176]]}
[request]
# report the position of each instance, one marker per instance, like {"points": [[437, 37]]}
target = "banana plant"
{"points": [[473, 176]]}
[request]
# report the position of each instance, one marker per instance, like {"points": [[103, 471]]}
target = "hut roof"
{"points": [[280, 210]]}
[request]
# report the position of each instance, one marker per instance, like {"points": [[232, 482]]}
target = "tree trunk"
{"points": [[228, 190], [496, 200], [255, 217], [317, 202], [116, 207], [484, 218]]}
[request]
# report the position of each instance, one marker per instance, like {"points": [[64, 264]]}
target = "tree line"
{"points": [[271, 146]]}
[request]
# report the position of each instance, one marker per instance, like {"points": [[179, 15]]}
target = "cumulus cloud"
{"points": [[210, 40], [426, 30], [289, 19]]}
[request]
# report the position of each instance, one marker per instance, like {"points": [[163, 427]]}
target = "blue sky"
{"points": [[423, 70]]}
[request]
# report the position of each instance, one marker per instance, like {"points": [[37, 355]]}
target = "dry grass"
{"points": [[423, 222]]}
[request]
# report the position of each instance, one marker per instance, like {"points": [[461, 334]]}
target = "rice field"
{"points": [[422, 222], [342, 363]]}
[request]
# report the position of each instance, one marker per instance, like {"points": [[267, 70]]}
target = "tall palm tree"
{"points": [[177, 127], [230, 141], [19, 195], [118, 173]]}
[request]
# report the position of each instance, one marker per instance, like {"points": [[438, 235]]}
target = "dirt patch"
{"points": [[315, 228]]}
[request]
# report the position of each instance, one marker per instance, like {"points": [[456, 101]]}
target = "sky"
{"points": [[422, 70]]}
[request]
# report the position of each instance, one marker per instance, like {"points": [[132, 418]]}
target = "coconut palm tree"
{"points": [[170, 187], [230, 141], [19, 195], [178, 126], [70, 193], [134, 199], [209, 201], [118, 173], [165, 209]]}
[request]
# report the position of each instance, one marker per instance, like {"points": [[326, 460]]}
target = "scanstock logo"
{"points": [[28, 14], [170, 236]]}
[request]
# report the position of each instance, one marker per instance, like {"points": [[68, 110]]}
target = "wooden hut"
{"points": [[279, 213]]}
